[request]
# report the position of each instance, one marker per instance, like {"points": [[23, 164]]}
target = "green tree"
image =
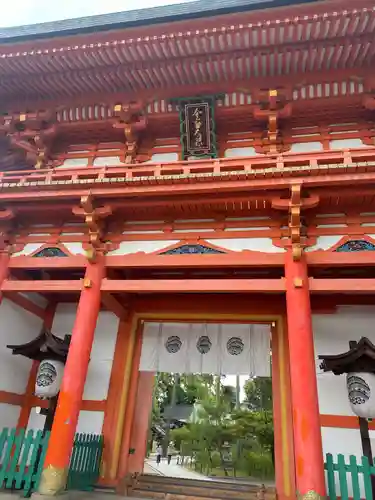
{"points": [[258, 393]]}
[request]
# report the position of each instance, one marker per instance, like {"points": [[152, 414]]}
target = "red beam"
{"points": [[226, 285], [70, 262], [194, 286], [345, 285], [42, 286], [337, 259], [235, 259]]}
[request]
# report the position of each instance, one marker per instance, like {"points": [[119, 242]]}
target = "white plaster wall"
{"points": [[254, 244], [90, 421], [97, 381], [332, 333], [128, 247], [17, 326], [36, 420], [9, 415]]}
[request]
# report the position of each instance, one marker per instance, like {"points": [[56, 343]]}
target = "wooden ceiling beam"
{"points": [[114, 305]]}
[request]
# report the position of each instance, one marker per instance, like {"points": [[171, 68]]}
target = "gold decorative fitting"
{"points": [[273, 93], [298, 282], [117, 108], [53, 481], [22, 117], [310, 495], [87, 283]]}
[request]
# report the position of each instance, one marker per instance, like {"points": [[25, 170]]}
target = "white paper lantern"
{"points": [[361, 393], [48, 379]]}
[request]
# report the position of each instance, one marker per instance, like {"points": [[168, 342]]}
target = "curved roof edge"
{"points": [[142, 17]]}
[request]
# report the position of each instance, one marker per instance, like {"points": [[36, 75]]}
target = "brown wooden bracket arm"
{"points": [[295, 205], [93, 217], [368, 101], [31, 133], [271, 107], [132, 120], [6, 217]]}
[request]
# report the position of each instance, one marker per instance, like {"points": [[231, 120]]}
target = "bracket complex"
{"points": [[93, 218], [295, 205]]}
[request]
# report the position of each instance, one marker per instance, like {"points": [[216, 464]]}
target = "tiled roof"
{"points": [[155, 15]]}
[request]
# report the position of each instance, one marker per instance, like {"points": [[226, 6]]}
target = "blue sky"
{"points": [[19, 12]]}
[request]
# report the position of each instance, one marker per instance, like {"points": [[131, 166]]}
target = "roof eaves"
{"points": [[134, 18]]}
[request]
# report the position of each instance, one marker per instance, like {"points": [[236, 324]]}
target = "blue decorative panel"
{"points": [[50, 252], [191, 249], [356, 246]]}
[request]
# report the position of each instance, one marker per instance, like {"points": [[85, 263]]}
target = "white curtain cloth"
{"points": [[222, 349]]}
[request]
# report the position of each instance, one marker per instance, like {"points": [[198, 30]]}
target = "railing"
{"points": [[85, 462], [348, 480], [22, 457], [362, 159]]}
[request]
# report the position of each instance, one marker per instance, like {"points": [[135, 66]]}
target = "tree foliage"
{"points": [[221, 436], [258, 393]]}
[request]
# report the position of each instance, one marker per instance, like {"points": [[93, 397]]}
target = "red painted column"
{"points": [[60, 445], [306, 419], [4, 269], [143, 407]]}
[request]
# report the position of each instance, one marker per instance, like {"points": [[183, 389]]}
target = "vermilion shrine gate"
{"points": [[203, 162]]}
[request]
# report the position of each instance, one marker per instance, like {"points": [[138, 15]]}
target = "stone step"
{"points": [[172, 488], [201, 491], [157, 495], [227, 484]]}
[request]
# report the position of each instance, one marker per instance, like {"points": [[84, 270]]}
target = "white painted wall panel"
{"points": [[102, 353], [332, 333], [36, 420], [254, 244], [129, 247], [17, 326], [90, 421], [9, 415]]}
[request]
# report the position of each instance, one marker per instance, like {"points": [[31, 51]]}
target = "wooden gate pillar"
{"points": [[308, 451], [60, 445]]}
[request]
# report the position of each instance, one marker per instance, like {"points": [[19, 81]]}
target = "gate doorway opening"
{"points": [[212, 407]]}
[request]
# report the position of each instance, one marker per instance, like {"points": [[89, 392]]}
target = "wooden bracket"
{"points": [[6, 216], [271, 107], [31, 133], [131, 119], [294, 205], [93, 218]]}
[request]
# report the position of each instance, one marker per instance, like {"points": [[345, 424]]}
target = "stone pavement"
{"points": [[171, 470]]}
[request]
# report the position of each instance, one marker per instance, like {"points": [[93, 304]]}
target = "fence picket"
{"points": [[8, 451], [28, 484], [20, 474], [354, 472], [329, 466], [85, 462], [367, 478], [14, 456], [343, 477]]}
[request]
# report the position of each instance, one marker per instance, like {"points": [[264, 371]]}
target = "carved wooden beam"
{"points": [[131, 119], [113, 305], [93, 217]]}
